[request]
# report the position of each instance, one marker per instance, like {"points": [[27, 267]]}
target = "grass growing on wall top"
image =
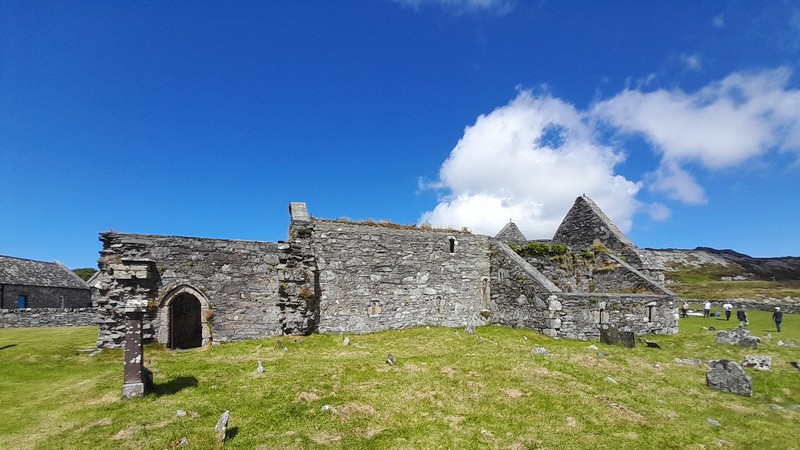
{"points": [[447, 390]]}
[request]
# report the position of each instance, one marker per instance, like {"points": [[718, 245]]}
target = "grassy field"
{"points": [[447, 390]]}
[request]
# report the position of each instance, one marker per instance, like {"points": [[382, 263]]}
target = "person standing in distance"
{"points": [[728, 308], [707, 309], [777, 316]]}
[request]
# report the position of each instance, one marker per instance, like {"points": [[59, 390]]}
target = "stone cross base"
{"points": [[131, 390]]}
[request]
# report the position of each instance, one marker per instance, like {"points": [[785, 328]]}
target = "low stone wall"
{"points": [[47, 317]]}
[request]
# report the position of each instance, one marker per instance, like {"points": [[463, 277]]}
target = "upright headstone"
{"points": [[137, 379]]}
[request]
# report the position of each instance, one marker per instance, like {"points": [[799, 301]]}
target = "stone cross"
{"points": [[136, 377]]}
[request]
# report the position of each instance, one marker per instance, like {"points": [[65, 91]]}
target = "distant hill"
{"points": [[740, 266]]}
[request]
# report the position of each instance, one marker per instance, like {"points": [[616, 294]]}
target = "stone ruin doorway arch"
{"points": [[184, 318]]}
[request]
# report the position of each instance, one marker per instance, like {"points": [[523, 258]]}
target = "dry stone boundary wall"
{"points": [[47, 317]]}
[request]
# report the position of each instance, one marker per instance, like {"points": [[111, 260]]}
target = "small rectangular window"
{"points": [[22, 301]]}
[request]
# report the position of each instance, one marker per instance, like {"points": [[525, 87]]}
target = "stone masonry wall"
{"points": [[238, 279], [522, 297], [46, 296], [373, 277], [47, 317]]}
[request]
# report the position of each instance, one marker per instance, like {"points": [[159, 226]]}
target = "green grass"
{"points": [[705, 283], [447, 390]]}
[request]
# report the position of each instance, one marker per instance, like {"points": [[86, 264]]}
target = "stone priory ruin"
{"points": [[341, 276]]}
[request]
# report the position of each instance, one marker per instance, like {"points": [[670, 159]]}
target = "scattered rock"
{"points": [[758, 362], [329, 408], [260, 368], [601, 354], [713, 422], [650, 344], [657, 365], [593, 347], [692, 361], [390, 360], [346, 341], [738, 336], [611, 380], [727, 376], [222, 425], [539, 351], [469, 329], [279, 345], [180, 442], [775, 407], [180, 413], [712, 328], [795, 407], [795, 364]]}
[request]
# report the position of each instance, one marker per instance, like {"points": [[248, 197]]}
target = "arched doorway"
{"points": [[185, 326], [184, 318]]}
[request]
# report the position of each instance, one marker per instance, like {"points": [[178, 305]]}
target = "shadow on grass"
{"points": [[174, 386], [231, 433], [8, 346]]}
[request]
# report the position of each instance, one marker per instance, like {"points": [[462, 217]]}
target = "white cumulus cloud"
{"points": [[722, 125], [528, 161]]}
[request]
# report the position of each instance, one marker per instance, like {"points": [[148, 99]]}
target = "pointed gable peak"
{"points": [[511, 234], [586, 222]]}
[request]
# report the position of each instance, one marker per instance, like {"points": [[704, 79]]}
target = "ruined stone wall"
{"points": [[46, 296], [237, 279], [375, 278], [523, 297], [47, 317]]}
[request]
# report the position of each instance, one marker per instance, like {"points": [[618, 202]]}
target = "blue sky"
{"points": [[680, 119]]}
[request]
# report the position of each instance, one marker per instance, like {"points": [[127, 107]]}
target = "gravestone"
{"points": [[611, 335]]}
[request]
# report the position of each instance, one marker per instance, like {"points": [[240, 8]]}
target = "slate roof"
{"points": [[28, 272]]}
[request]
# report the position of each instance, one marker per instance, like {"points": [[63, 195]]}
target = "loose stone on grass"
{"points": [[540, 351], [758, 362], [260, 368], [222, 425], [727, 376], [390, 360], [738, 336], [713, 422]]}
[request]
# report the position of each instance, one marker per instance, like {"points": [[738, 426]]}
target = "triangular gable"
{"points": [[586, 222], [511, 234]]}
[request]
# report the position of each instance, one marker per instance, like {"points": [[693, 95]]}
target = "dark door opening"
{"points": [[186, 330]]}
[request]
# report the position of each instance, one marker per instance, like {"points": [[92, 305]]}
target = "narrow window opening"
{"points": [[452, 245], [650, 313], [22, 301], [602, 311]]}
